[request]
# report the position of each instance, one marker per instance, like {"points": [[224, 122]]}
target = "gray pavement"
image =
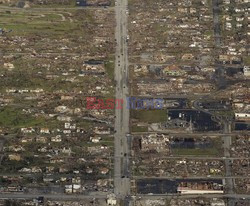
{"points": [[50, 196], [37, 9], [233, 196], [122, 148], [191, 177], [227, 141]]}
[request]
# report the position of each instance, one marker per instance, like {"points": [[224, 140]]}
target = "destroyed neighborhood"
{"points": [[125, 102]]}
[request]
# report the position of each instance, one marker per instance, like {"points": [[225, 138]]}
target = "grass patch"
{"points": [[10, 117], [50, 4], [139, 129], [84, 124], [110, 69], [246, 60], [206, 152], [14, 118], [46, 24], [46, 29], [214, 150], [68, 4], [229, 114], [149, 116]]}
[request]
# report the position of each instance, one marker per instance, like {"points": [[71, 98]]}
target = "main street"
{"points": [[227, 145], [227, 140], [51, 196], [121, 160], [138, 196], [37, 9]]}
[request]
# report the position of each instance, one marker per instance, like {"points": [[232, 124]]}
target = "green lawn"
{"points": [[52, 24], [10, 117], [110, 69], [149, 116], [246, 60], [67, 4], [139, 129], [51, 4], [206, 152], [15, 118], [215, 150]]}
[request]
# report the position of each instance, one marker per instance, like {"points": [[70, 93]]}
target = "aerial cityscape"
{"points": [[125, 102]]}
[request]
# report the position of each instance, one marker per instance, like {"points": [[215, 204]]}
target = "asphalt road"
{"points": [[37, 9], [227, 145], [141, 196], [50, 196], [226, 123], [122, 150], [191, 177], [233, 196]]}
